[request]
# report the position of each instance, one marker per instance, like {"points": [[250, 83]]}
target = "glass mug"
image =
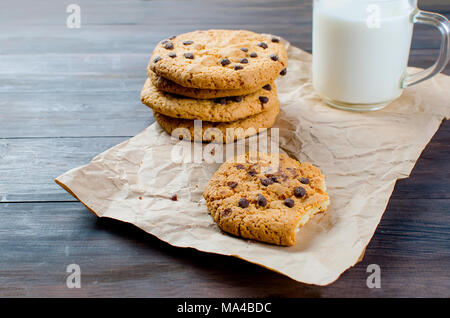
{"points": [[361, 50]]}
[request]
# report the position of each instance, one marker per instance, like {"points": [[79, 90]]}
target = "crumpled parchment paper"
{"points": [[361, 154]]}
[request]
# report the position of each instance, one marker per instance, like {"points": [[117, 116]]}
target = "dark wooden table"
{"points": [[68, 94]]}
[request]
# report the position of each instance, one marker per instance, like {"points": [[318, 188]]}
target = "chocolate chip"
{"points": [[275, 40], [172, 54], [267, 87], [244, 49], [253, 54], [237, 99], [262, 201], [263, 45], [243, 203], [238, 67], [174, 197], [189, 55], [158, 58], [275, 179], [299, 192], [267, 182], [289, 202], [239, 166], [226, 212], [232, 184], [221, 101], [244, 61], [164, 42], [274, 57], [172, 37], [252, 173], [189, 42], [225, 62], [304, 180], [168, 46], [263, 99], [283, 71]]}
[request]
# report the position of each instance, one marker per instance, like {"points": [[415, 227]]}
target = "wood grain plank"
{"points": [[73, 114], [28, 167], [136, 26], [139, 39], [117, 259], [168, 12], [80, 94], [98, 66], [121, 38], [59, 84]]}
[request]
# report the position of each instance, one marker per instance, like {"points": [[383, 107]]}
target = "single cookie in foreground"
{"points": [[265, 197], [220, 59], [165, 85], [225, 109]]}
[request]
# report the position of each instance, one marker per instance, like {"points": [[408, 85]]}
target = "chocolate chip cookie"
{"points": [[165, 85], [225, 132], [265, 197], [220, 59], [224, 109]]}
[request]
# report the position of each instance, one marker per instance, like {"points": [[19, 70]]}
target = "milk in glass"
{"points": [[360, 49]]}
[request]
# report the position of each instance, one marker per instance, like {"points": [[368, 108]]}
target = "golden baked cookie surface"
{"points": [[219, 59], [225, 132], [224, 109], [265, 197], [168, 86]]}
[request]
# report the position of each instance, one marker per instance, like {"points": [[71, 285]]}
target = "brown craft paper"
{"points": [[361, 154]]}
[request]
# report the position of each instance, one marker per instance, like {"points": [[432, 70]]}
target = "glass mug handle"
{"points": [[441, 23]]}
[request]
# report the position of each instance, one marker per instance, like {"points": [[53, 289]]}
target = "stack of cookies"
{"points": [[224, 78]]}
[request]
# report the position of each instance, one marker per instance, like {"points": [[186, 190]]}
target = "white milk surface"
{"points": [[355, 63]]}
